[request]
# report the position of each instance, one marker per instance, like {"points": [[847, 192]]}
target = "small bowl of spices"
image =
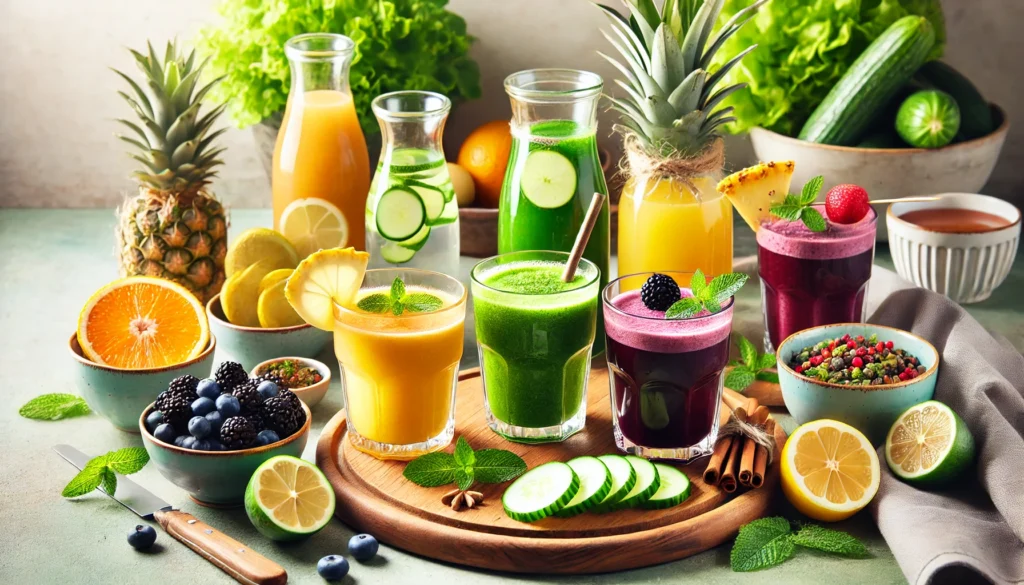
{"points": [[309, 379], [862, 374]]}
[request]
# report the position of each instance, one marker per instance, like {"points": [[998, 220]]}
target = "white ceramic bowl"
{"points": [[888, 173], [964, 267], [311, 395]]}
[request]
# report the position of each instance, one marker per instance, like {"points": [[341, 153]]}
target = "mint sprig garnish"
{"points": [[768, 542], [397, 301], [464, 467], [709, 296], [751, 366], [798, 207], [54, 407], [100, 471]]}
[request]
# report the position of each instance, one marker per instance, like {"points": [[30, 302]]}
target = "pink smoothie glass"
{"points": [[665, 375], [813, 278]]}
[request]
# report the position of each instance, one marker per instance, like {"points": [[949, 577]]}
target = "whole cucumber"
{"points": [[888, 63], [975, 113]]}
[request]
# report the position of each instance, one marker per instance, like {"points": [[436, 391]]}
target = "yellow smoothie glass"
{"points": [[399, 372]]}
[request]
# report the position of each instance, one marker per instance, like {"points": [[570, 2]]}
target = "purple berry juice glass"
{"points": [[813, 278], [665, 375]]}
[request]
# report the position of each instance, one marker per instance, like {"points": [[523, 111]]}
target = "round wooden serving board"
{"points": [[374, 497]]}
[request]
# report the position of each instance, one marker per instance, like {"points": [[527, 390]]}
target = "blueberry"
{"points": [[215, 445], [142, 537], [267, 437], [201, 445], [180, 440], [332, 567], [363, 547], [228, 405], [216, 420], [208, 388], [165, 432], [187, 442], [267, 389], [203, 406], [199, 427], [153, 420]]}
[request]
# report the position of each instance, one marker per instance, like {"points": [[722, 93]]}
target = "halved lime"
{"points": [[929, 444], [549, 179], [288, 498]]}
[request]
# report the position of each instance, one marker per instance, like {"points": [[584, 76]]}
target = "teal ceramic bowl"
{"points": [[216, 478], [250, 346], [119, 395], [870, 409]]}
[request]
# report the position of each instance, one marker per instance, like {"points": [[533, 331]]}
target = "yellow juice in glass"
{"points": [[399, 371], [667, 228]]}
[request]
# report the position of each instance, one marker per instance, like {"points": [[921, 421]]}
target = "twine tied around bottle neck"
{"points": [[642, 167], [755, 433]]}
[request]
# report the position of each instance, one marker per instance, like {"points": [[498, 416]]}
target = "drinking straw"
{"points": [[583, 237], [915, 199]]}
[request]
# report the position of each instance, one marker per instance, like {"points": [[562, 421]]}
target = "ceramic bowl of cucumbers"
{"points": [[895, 124]]}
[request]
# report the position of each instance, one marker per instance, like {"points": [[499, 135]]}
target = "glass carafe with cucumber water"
{"points": [[412, 218], [554, 169]]}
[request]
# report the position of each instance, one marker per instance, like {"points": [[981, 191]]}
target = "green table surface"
{"points": [[53, 260]]}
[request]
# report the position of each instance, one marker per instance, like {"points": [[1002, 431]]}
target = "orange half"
{"points": [[142, 322]]}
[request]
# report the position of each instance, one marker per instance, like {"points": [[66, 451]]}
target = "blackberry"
{"points": [[184, 386], [270, 378], [230, 375], [659, 292], [282, 417], [257, 421], [291, 397], [237, 433], [248, 396], [176, 409]]}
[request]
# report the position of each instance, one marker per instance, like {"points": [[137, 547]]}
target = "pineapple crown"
{"points": [[669, 107], [172, 141]]}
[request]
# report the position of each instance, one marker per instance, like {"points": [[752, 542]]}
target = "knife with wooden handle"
{"points": [[234, 558]]}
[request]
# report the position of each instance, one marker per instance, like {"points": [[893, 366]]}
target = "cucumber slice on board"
{"points": [[548, 179], [400, 214], [595, 483], [647, 483], [418, 240], [674, 488], [540, 492], [396, 253], [432, 197], [623, 480]]}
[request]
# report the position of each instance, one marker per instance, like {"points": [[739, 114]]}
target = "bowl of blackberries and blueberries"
{"points": [[209, 436]]}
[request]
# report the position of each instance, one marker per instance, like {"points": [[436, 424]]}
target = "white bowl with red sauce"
{"points": [[962, 245]]}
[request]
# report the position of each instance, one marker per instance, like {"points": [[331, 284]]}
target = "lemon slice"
{"points": [[260, 245], [274, 310], [829, 470], [274, 277], [314, 224], [241, 293], [288, 499], [324, 278]]}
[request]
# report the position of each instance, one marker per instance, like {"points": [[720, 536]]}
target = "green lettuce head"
{"points": [[803, 48], [400, 44]]}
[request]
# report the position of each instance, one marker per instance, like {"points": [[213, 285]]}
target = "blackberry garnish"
{"points": [[237, 433], [230, 375], [282, 417], [248, 396], [659, 292]]}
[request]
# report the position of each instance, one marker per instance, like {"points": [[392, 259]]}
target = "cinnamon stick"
{"points": [[728, 481], [761, 457], [758, 416], [747, 462], [714, 471], [733, 399]]}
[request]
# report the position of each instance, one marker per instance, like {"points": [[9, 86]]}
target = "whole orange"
{"points": [[485, 155]]}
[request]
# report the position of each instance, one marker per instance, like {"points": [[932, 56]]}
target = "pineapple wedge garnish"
{"points": [[322, 279], [753, 190]]}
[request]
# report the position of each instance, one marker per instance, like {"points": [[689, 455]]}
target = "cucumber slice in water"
{"points": [[647, 483], [623, 480], [414, 160], [674, 488], [595, 483], [432, 197], [548, 179], [418, 240], [540, 492], [400, 214], [396, 253]]}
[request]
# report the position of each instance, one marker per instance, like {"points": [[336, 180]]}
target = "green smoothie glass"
{"points": [[535, 334], [553, 168]]}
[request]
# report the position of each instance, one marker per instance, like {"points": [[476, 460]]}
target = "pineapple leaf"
{"points": [[182, 96], [152, 166], [718, 75], [738, 21], [630, 78], [671, 17], [710, 103], [157, 66], [140, 110], [667, 65], [172, 78], [143, 98], [182, 129], [170, 53], [685, 98], [206, 88], [633, 98], [133, 142], [205, 142], [662, 112], [700, 29], [134, 128], [190, 61], [628, 125], [185, 152], [647, 11], [719, 114], [632, 42], [611, 12], [642, 28], [163, 111], [144, 64]]}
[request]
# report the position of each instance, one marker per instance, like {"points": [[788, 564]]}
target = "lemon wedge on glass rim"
{"points": [[323, 279]]}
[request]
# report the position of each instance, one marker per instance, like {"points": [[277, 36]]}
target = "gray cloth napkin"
{"points": [[956, 535]]}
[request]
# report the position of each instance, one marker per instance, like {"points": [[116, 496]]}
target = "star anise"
{"points": [[458, 499]]}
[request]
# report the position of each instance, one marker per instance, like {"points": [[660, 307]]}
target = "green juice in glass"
{"points": [[534, 335]]}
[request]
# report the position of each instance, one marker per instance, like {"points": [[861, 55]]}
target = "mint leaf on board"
{"points": [[831, 541], [813, 220], [698, 284], [397, 289], [54, 407], [498, 466], [432, 469], [87, 480], [684, 308], [422, 303], [811, 189], [375, 303], [464, 456], [128, 460], [761, 544], [766, 360], [751, 367], [770, 377], [724, 286], [464, 478], [739, 378]]}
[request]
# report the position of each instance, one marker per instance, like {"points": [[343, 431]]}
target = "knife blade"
{"points": [[234, 558]]}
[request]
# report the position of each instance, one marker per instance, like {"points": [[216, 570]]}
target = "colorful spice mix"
{"points": [[856, 361], [292, 373]]}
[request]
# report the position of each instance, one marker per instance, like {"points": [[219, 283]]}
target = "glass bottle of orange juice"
{"points": [[321, 172]]}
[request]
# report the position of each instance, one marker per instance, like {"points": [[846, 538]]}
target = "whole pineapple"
{"points": [[174, 228]]}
